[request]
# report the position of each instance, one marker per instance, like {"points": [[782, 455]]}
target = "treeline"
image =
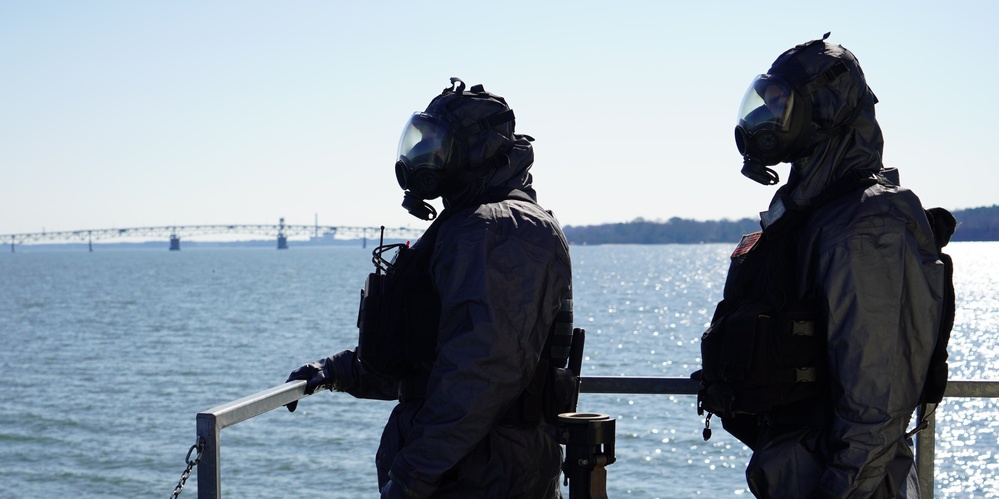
{"points": [[974, 224], [673, 231], [977, 224]]}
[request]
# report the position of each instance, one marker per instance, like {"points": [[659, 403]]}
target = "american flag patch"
{"points": [[747, 243]]}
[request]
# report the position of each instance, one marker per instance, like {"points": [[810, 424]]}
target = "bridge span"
{"points": [[174, 233]]}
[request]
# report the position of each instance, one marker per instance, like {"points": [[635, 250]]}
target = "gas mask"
{"points": [[459, 137], [426, 149], [774, 127]]}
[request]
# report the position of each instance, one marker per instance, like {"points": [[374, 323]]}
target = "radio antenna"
{"points": [[381, 244]]}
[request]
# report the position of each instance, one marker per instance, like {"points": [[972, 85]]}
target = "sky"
{"points": [[121, 114]]}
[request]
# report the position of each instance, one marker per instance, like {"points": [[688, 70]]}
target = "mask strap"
{"points": [[484, 124], [827, 78], [868, 99]]}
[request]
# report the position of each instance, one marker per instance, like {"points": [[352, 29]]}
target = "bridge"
{"points": [[174, 233]]}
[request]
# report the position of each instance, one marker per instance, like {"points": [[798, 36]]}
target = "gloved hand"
{"points": [[318, 375], [393, 490]]}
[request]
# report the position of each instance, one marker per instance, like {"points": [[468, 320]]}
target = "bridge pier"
{"points": [[174, 242], [282, 238]]}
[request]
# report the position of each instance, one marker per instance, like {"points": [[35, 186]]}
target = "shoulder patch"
{"points": [[746, 244]]}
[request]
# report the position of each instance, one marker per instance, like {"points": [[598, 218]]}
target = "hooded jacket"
{"points": [[501, 270], [871, 257]]}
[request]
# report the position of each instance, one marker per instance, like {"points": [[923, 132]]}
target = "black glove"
{"points": [[318, 374], [393, 490]]}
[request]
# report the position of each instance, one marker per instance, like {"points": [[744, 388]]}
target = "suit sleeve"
{"points": [[882, 318]]}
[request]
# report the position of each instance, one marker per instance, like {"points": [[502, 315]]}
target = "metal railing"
{"points": [[212, 421]]}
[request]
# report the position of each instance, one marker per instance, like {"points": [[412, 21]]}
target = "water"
{"points": [[106, 358]]}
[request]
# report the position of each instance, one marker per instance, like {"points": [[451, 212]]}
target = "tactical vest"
{"points": [[765, 347], [398, 325]]}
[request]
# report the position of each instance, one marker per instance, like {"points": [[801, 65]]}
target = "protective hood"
{"points": [[514, 172], [843, 137]]}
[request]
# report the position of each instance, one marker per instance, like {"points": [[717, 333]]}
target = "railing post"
{"points": [[209, 469], [925, 445]]}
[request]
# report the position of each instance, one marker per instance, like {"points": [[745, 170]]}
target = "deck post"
{"points": [[925, 443], [209, 469]]}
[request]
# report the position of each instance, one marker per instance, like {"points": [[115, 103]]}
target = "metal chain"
{"points": [[199, 445]]}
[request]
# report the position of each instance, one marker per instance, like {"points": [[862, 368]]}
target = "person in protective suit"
{"points": [[844, 240], [457, 330]]}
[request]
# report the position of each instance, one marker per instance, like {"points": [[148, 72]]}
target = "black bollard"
{"points": [[589, 447]]}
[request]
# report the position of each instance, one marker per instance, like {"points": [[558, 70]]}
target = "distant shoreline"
{"points": [[974, 224]]}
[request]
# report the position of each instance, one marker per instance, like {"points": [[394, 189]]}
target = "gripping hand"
{"points": [[318, 375]]}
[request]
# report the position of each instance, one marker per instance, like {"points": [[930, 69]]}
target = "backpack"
{"points": [[943, 224]]}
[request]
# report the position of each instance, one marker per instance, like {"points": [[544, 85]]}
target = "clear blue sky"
{"points": [[118, 114]]}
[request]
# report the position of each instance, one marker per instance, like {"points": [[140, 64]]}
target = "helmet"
{"points": [[461, 136], [811, 92]]}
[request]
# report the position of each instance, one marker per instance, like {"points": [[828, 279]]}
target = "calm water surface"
{"points": [[106, 358]]}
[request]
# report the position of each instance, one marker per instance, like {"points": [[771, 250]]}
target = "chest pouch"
{"points": [[399, 312], [757, 357]]}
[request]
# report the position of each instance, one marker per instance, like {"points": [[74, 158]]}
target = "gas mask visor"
{"points": [[769, 125], [425, 151]]}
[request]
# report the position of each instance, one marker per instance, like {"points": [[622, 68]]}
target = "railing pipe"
{"points": [[212, 421], [636, 384]]}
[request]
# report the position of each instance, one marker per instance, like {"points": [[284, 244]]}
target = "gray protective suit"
{"points": [[870, 255], [501, 270]]}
